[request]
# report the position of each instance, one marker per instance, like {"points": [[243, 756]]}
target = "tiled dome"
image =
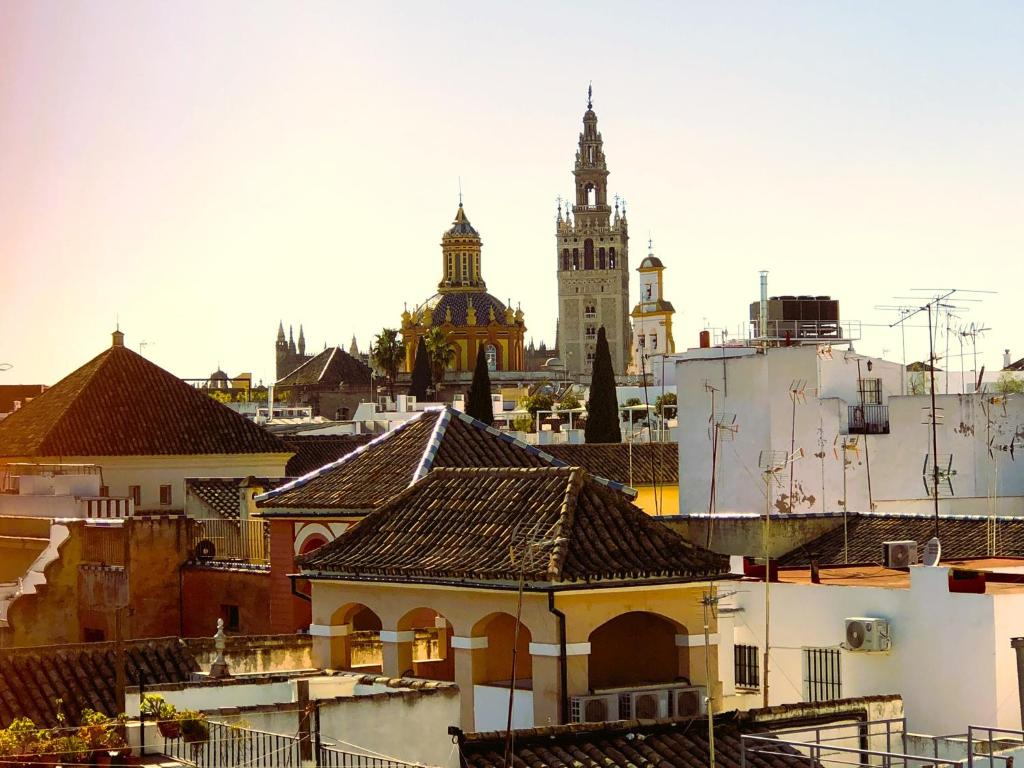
{"points": [[458, 303]]}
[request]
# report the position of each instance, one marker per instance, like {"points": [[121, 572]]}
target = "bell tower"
{"points": [[592, 261]]}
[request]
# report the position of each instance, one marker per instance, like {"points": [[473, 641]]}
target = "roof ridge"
{"points": [[351, 455], [433, 445], [566, 522], [302, 365], [327, 363]]}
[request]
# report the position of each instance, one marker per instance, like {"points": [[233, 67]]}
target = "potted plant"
{"points": [[21, 742], [166, 715], [100, 737], [194, 727]]}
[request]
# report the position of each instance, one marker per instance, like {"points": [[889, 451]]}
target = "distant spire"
{"points": [[280, 331], [460, 191], [302, 341], [353, 348], [650, 244], [590, 95]]}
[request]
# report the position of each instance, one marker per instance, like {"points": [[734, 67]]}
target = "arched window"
{"points": [[600, 258], [591, 194], [492, 357], [575, 258], [611, 258], [565, 259], [588, 254]]}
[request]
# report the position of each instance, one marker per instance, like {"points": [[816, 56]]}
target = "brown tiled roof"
{"points": [[675, 743], [82, 677], [962, 537], [220, 494], [463, 523], [612, 460], [314, 451], [120, 404], [332, 367], [386, 466]]}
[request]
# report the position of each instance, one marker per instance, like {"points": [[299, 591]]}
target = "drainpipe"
{"points": [[1017, 643], [563, 667]]}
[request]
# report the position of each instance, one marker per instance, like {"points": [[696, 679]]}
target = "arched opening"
{"points": [[313, 543], [590, 192], [611, 258], [588, 254], [360, 649], [432, 656], [575, 258], [565, 259], [636, 649], [601, 258], [491, 353], [496, 666]]}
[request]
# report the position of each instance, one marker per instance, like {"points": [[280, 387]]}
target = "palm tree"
{"points": [[387, 352], [442, 352]]}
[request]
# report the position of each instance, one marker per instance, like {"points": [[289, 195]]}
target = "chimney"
{"points": [[117, 338], [1006, 359], [1017, 643], [762, 317]]}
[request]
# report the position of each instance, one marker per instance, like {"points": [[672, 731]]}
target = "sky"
{"points": [[198, 172]]}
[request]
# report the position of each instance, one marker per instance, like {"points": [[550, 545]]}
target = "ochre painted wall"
{"points": [[206, 590]]}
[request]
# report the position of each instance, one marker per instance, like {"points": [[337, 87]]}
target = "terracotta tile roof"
{"points": [[365, 478], [962, 537], [675, 743], [220, 494], [462, 523], [82, 676], [332, 367], [120, 404], [612, 460], [314, 451]]}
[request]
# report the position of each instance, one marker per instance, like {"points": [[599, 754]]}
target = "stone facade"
{"points": [[593, 262]]}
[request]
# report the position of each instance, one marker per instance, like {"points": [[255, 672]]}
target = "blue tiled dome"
{"points": [[458, 303]]}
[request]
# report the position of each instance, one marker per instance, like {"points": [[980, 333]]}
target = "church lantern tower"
{"points": [[652, 316], [593, 261]]}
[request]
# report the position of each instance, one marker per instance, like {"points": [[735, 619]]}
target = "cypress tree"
{"points": [[478, 402], [420, 372], [603, 406]]}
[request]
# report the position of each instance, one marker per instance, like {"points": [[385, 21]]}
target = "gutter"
{"points": [[296, 593], [563, 661]]}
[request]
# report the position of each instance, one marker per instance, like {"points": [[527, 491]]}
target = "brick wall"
{"points": [[287, 612], [207, 591]]}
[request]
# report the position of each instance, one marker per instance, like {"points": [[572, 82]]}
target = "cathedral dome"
{"points": [[458, 304]]}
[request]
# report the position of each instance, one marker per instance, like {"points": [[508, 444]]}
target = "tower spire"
{"points": [[590, 95]]}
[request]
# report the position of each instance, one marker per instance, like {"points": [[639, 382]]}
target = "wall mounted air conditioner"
{"points": [[594, 709], [899, 554], [644, 705], [866, 635], [689, 701]]}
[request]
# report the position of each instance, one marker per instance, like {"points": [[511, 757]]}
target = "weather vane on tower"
{"points": [[590, 95]]}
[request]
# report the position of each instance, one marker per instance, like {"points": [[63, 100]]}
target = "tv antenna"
{"points": [[722, 426], [972, 332], [772, 464], [847, 444]]}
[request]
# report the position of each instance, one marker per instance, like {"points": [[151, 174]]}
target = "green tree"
{"points": [[569, 402], [540, 401], [387, 352], [442, 352], [420, 372], [1008, 384], [633, 416], [665, 405], [602, 407], [478, 402]]}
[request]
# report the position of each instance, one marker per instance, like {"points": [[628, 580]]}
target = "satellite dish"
{"points": [[932, 552]]}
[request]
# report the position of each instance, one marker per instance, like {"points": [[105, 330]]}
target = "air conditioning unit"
{"points": [[689, 701], [899, 554], [594, 709], [644, 705], [866, 635]]}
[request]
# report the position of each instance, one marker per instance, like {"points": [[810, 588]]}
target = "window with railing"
{"points": [[590, 311], [870, 391], [823, 679], [868, 420], [591, 333], [746, 666]]}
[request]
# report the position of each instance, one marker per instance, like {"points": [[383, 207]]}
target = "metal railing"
{"points": [[230, 540], [868, 420], [11, 474], [230, 745]]}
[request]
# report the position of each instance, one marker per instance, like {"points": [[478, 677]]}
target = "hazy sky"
{"points": [[204, 170]]}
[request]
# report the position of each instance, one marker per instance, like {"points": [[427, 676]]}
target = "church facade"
{"points": [[593, 262], [652, 316], [470, 316]]}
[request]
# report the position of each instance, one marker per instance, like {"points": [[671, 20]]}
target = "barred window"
{"points": [[747, 672], [822, 674]]}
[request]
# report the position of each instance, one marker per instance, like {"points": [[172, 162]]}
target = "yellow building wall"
{"points": [[661, 501]]}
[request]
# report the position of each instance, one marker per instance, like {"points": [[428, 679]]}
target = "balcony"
{"points": [[234, 541], [868, 420]]}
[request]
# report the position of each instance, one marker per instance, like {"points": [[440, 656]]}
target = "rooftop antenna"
{"points": [[939, 298], [721, 426], [772, 464], [973, 332], [797, 394]]}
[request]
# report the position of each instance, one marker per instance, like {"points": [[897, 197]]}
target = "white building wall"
{"points": [[950, 660], [755, 387]]}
